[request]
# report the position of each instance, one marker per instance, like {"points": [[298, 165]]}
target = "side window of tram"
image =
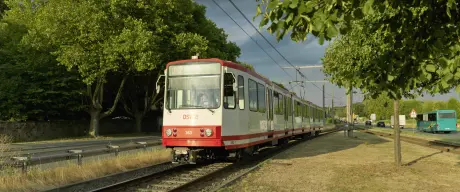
{"points": [[261, 97], [252, 87], [241, 92], [276, 103], [229, 93]]}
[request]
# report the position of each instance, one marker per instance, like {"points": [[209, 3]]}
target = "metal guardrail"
{"points": [[25, 161]]}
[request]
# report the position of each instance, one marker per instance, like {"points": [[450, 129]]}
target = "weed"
{"points": [[38, 179]]}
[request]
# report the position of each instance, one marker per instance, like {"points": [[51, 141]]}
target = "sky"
{"points": [[304, 53]]}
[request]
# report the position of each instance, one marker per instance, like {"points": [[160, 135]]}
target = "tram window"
{"points": [[276, 103], [420, 117], [281, 104], [229, 93], [270, 104], [307, 111], [315, 117], [432, 117], [298, 110], [261, 97], [290, 106], [252, 86], [302, 110], [241, 92]]}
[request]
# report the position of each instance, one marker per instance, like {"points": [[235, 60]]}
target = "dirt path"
{"points": [[365, 163]]}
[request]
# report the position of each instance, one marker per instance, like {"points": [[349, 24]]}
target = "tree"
{"points": [[368, 59], [384, 57], [434, 47], [406, 106], [3, 8], [380, 106], [192, 33], [358, 109], [453, 104], [98, 38], [33, 86], [247, 65]]}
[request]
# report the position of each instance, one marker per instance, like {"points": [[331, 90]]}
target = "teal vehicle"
{"points": [[437, 121]]}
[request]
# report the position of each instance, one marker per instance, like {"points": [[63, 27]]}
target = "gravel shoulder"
{"points": [[364, 163]]}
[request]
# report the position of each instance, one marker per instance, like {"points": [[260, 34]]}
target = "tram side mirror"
{"points": [[229, 87], [160, 83]]}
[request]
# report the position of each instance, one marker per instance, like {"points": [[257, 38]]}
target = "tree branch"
{"points": [[96, 91], [125, 106], [117, 98]]}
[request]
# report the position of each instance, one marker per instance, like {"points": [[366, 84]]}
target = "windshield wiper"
{"points": [[169, 110], [212, 111]]}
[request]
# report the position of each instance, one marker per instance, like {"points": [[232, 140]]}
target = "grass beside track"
{"points": [[37, 179], [427, 136], [365, 163]]}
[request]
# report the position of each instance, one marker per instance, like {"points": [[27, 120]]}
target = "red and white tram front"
{"points": [[192, 116]]}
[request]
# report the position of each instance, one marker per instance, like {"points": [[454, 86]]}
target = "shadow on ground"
{"points": [[331, 143], [420, 158]]}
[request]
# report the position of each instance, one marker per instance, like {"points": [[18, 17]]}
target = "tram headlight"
{"points": [[168, 132], [208, 132]]}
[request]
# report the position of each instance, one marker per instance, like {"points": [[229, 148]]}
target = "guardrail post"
{"points": [[79, 156], [115, 148], [143, 143], [23, 161]]}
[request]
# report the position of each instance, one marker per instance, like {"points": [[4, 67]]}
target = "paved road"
{"points": [[50, 148]]}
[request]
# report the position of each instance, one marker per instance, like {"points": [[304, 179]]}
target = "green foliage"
{"points": [[279, 84], [33, 86], [383, 111], [247, 65], [100, 43], [405, 48], [94, 37], [359, 109], [3, 8]]}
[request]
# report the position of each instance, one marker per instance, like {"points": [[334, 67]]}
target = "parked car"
{"points": [[380, 124], [368, 122]]}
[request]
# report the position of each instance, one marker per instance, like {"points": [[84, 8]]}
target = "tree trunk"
{"points": [[139, 116], [94, 123], [397, 143]]}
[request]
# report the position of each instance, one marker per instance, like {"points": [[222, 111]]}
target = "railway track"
{"points": [[174, 179], [439, 145], [200, 177]]}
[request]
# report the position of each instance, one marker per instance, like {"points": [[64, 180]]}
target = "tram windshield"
{"points": [[194, 86]]}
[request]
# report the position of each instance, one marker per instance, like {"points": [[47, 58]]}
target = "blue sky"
{"points": [[298, 54]]}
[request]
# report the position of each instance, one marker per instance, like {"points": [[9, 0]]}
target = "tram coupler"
{"points": [[179, 154], [193, 156], [184, 154]]}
